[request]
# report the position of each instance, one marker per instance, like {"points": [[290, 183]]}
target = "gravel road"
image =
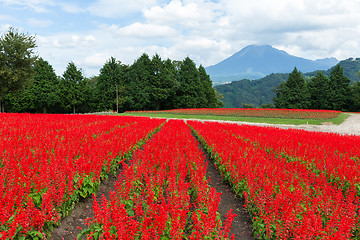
{"points": [[350, 126]]}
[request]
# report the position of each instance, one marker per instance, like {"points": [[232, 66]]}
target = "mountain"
{"points": [[257, 61], [258, 92]]}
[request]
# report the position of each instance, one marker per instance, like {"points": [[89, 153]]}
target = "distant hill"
{"points": [[351, 66], [257, 61], [258, 92]]}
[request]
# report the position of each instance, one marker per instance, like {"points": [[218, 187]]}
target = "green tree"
{"points": [[319, 90], [44, 88], [356, 97], [340, 90], [163, 83], [109, 87], [73, 86], [211, 101], [16, 61], [191, 92], [293, 93], [280, 100], [137, 84], [355, 88]]}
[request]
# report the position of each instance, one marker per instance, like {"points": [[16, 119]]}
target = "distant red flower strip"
{"points": [[256, 112]]}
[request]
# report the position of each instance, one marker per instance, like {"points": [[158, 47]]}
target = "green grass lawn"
{"points": [[337, 120]]}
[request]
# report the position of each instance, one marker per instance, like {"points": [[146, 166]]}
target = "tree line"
{"points": [[29, 83], [319, 92]]}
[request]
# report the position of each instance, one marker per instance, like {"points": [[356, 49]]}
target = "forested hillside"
{"points": [[261, 91]]}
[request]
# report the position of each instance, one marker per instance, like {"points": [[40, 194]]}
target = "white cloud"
{"points": [[67, 41], [4, 28], [39, 22], [192, 14], [145, 31], [39, 6], [118, 8], [71, 7]]}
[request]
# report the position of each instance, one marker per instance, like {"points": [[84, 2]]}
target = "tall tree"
{"points": [[293, 93], [72, 86], [340, 90], [356, 97], [319, 90], [16, 60], [137, 84], [190, 92], [109, 88], [44, 88], [211, 101], [163, 83]]}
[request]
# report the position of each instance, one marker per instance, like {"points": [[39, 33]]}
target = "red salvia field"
{"points": [[255, 112], [296, 184]]}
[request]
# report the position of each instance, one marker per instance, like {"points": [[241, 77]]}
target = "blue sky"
{"points": [[90, 32]]}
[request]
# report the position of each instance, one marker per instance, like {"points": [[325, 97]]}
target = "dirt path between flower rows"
{"points": [[241, 226]]}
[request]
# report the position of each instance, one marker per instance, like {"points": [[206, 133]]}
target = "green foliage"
{"points": [[260, 91], [319, 90], [137, 84], [293, 93], [267, 105], [256, 92], [190, 93], [340, 89], [109, 84], [16, 60], [73, 88], [211, 100], [356, 97], [163, 84]]}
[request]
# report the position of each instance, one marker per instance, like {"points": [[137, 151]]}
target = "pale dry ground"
{"points": [[350, 126]]}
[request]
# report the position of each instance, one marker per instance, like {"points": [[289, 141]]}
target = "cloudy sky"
{"points": [[208, 31]]}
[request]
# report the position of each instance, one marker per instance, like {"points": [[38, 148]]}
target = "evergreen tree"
{"points": [[356, 97], [293, 93], [44, 88], [73, 87], [137, 84], [210, 94], [16, 61], [319, 91], [109, 87], [190, 93], [280, 100], [173, 83], [163, 84], [340, 90]]}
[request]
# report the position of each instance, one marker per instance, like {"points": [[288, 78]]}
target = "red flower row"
{"points": [[47, 162], [287, 198], [162, 194]]}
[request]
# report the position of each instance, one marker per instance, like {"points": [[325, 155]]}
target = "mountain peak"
{"points": [[258, 51], [256, 61]]}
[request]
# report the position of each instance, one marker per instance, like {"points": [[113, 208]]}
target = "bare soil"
{"points": [[73, 224]]}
